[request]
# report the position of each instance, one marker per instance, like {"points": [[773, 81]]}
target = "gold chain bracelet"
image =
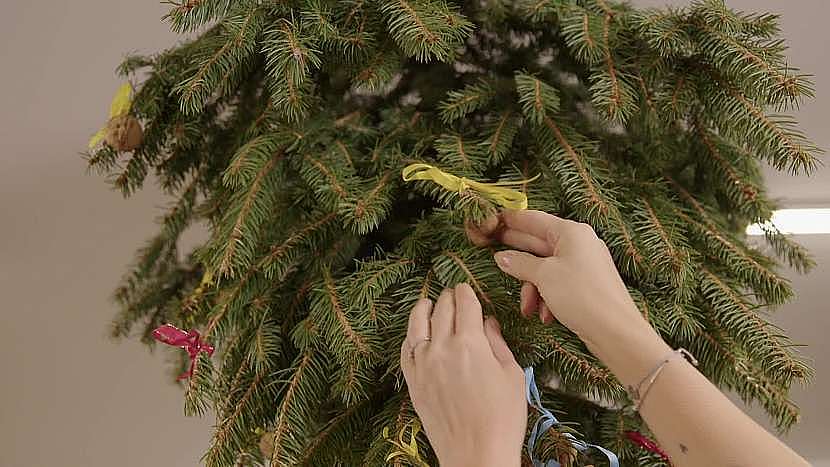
{"points": [[638, 393]]}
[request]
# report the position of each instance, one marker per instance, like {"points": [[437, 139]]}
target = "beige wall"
{"points": [[68, 395], [71, 397]]}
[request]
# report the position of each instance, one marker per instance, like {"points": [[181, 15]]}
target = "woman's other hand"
{"points": [[464, 383]]}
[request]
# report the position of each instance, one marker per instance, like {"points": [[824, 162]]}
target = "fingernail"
{"points": [[503, 259]]}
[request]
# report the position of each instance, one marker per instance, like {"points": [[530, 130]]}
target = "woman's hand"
{"points": [[569, 275], [464, 382]]}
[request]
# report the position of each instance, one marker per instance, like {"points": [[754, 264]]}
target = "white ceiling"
{"points": [[68, 396]]}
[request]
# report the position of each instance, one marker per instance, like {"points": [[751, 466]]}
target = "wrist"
{"points": [[488, 462], [631, 348], [486, 459]]}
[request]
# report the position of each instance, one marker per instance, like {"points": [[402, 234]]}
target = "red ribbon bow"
{"points": [[647, 444], [190, 341]]}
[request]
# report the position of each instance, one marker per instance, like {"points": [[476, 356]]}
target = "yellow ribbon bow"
{"points": [[496, 192], [120, 106]]}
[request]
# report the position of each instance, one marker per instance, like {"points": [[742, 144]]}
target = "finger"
{"points": [[536, 223], [482, 234], [528, 299], [419, 321], [527, 242], [545, 315], [497, 344], [521, 265], [443, 316], [417, 330], [407, 362], [468, 319]]}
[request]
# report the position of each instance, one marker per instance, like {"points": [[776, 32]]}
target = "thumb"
{"points": [[521, 265], [499, 347]]}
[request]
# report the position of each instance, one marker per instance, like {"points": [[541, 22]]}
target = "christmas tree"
{"points": [[284, 127]]}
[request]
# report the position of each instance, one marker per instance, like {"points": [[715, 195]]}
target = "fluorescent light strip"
{"points": [[797, 221]]}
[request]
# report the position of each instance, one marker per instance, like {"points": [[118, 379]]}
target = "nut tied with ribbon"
{"points": [[123, 131]]}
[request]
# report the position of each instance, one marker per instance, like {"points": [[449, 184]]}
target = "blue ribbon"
{"points": [[546, 421]]}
